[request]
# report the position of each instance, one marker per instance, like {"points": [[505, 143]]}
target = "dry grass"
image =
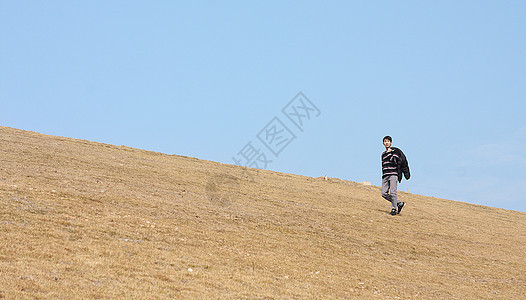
{"points": [[87, 220]]}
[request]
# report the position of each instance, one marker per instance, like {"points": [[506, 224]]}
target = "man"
{"points": [[394, 164]]}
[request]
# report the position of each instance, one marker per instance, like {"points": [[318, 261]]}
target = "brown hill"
{"points": [[80, 219]]}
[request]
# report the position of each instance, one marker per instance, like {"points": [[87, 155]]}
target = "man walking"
{"points": [[394, 163]]}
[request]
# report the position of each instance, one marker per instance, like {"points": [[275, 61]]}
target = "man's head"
{"points": [[387, 141]]}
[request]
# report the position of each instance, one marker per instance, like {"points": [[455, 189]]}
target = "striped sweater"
{"points": [[390, 162]]}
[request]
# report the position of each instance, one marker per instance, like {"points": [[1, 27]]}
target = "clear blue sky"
{"points": [[446, 79]]}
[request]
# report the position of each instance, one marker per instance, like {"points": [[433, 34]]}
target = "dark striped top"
{"points": [[389, 163]]}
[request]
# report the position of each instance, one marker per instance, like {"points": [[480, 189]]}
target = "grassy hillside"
{"points": [[80, 219]]}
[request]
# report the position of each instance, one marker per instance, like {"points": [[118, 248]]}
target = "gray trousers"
{"points": [[389, 186]]}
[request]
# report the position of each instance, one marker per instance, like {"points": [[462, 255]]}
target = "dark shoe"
{"points": [[393, 212], [400, 206]]}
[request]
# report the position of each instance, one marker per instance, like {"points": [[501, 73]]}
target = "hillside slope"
{"points": [[80, 219]]}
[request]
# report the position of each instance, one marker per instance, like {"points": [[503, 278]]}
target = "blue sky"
{"points": [[445, 79]]}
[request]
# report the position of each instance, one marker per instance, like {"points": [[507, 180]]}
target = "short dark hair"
{"points": [[387, 138]]}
